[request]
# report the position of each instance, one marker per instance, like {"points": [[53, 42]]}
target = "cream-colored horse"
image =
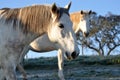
{"points": [[20, 26], [43, 44]]}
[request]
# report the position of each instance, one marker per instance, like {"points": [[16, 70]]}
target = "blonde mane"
{"points": [[75, 18], [31, 18]]}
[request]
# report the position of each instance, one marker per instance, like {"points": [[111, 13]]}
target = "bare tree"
{"points": [[105, 34]]}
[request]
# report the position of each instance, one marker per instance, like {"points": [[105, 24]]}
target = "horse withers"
{"points": [[43, 44], [20, 26]]}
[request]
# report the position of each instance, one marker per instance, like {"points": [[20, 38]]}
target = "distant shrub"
{"points": [[51, 62]]}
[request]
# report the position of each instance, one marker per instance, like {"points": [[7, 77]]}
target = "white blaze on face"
{"points": [[84, 24]]}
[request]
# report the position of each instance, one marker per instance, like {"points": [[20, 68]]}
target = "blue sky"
{"points": [[99, 6]]}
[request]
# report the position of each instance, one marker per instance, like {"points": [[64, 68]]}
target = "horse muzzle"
{"points": [[71, 56], [86, 34]]}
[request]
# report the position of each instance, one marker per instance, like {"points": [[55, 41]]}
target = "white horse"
{"points": [[43, 44], [20, 26]]}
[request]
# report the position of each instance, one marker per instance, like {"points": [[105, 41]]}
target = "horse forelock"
{"points": [[62, 11]]}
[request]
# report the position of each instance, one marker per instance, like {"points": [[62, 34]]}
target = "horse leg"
{"points": [[2, 76], [60, 64], [8, 62], [19, 66], [24, 52], [21, 69], [9, 72]]}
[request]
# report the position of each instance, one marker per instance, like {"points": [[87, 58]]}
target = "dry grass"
{"points": [[82, 68]]}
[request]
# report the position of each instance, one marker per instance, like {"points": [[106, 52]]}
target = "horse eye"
{"points": [[61, 26]]}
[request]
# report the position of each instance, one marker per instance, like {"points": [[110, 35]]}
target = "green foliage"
{"points": [[48, 63]]}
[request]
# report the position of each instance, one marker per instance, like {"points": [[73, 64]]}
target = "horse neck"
{"points": [[1, 11], [38, 21], [75, 18], [32, 21]]}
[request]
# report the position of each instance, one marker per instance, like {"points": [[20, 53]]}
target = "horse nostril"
{"points": [[86, 34], [66, 54], [73, 55]]}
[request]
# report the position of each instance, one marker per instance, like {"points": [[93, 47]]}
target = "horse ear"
{"points": [[90, 12], [54, 9], [68, 6], [81, 12], [94, 13]]}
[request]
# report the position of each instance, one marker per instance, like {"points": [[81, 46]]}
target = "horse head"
{"points": [[61, 32]]}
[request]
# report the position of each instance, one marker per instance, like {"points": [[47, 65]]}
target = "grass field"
{"points": [[82, 68]]}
